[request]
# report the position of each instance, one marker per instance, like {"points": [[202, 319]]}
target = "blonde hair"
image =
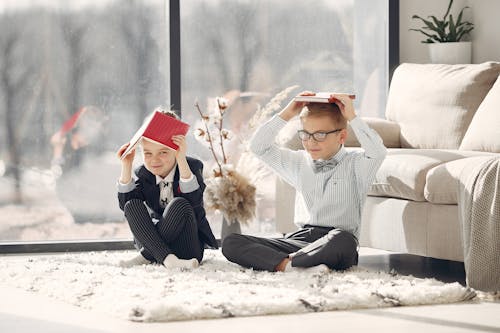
{"points": [[330, 110], [168, 112]]}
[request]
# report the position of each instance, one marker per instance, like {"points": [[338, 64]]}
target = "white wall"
{"points": [[485, 36], [483, 13]]}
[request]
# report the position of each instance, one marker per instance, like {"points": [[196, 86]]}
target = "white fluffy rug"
{"points": [[216, 289]]}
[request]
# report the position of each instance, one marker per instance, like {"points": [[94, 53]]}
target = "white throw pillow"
{"points": [[434, 103], [484, 131]]}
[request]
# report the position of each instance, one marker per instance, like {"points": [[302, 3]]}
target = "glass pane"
{"points": [[248, 51], [77, 79]]}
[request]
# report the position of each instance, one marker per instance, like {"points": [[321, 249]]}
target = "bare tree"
{"points": [[78, 60], [142, 50], [249, 41], [234, 43], [13, 79]]}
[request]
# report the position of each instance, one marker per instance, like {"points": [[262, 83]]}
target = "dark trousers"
{"points": [[176, 232], [312, 246]]}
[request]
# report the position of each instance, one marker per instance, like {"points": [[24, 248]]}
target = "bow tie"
{"points": [[324, 165], [165, 193]]}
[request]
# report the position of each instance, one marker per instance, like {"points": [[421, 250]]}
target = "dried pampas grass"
{"points": [[233, 195], [227, 190]]}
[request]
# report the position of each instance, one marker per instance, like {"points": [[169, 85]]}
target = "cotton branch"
{"points": [[204, 118]]}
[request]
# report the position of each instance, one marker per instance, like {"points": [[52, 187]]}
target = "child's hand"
{"points": [[293, 108], [180, 156], [345, 105], [130, 156], [58, 140], [180, 140]]}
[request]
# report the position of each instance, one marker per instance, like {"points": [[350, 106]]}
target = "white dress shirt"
{"points": [[333, 197], [166, 189]]}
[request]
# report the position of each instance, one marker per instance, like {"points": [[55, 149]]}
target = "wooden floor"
{"points": [[407, 264]]}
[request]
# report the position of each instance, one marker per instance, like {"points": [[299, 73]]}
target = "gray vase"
{"points": [[229, 228]]}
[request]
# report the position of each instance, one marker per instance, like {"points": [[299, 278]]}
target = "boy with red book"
{"points": [[163, 200]]}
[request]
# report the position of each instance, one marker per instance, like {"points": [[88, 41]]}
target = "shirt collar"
{"points": [[338, 155], [168, 179]]}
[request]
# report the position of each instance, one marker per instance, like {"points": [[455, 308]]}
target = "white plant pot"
{"points": [[450, 53]]}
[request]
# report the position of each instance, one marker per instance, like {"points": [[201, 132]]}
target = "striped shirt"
{"points": [[330, 198]]}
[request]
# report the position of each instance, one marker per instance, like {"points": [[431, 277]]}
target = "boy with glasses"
{"points": [[331, 185]]}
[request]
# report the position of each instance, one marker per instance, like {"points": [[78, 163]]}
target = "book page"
{"points": [[135, 139], [322, 97]]}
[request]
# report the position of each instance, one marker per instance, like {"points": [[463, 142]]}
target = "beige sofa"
{"points": [[441, 122]]}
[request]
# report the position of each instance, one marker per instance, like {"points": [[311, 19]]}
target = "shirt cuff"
{"points": [[189, 185], [125, 188], [355, 120]]}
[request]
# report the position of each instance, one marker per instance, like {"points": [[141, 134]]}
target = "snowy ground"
{"points": [[42, 217], [84, 206]]}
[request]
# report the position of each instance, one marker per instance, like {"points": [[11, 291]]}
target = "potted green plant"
{"points": [[444, 37]]}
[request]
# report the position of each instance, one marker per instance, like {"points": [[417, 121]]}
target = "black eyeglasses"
{"points": [[319, 136]]}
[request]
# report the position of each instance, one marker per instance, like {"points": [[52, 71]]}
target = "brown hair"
{"points": [[330, 110]]}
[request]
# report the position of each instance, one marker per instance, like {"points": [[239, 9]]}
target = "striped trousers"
{"points": [[176, 232]]}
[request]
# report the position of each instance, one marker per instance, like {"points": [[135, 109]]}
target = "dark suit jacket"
{"points": [[147, 190]]}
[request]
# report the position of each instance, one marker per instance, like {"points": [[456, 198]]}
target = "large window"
{"points": [[248, 51], [78, 77]]}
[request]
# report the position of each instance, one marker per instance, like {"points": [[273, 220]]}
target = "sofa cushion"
{"points": [[442, 181], [434, 103], [484, 130], [388, 131], [403, 172]]}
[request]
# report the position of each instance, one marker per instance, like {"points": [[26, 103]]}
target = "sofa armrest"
{"points": [[388, 130]]}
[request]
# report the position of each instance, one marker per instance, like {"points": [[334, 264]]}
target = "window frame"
{"points": [[17, 247]]}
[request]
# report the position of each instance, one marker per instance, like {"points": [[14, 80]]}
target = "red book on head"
{"points": [[158, 128]]}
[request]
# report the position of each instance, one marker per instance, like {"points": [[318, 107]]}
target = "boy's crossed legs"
{"points": [[175, 235], [308, 247]]}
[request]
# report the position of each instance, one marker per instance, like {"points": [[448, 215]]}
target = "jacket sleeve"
{"points": [[129, 191], [193, 190]]}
